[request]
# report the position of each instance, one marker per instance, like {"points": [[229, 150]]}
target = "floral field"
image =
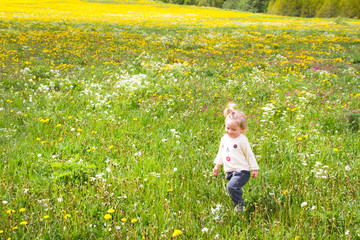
{"points": [[111, 116]]}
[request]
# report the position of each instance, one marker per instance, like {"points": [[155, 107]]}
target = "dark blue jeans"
{"points": [[237, 180]]}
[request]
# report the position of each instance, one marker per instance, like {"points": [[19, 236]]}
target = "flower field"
{"points": [[111, 116]]}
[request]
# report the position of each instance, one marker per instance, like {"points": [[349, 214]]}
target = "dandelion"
{"points": [[297, 237], [22, 210], [111, 210], [336, 150], [176, 233], [1, 231], [23, 223], [123, 219], [66, 216], [107, 216], [304, 204], [10, 211], [134, 220], [286, 192], [14, 228], [111, 147], [347, 168], [59, 125], [46, 217]]}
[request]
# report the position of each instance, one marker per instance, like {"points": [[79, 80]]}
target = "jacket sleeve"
{"points": [[249, 155], [218, 159]]}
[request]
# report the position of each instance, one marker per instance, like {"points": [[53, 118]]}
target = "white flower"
{"points": [[4, 202], [72, 129], [108, 169], [60, 199], [26, 190], [117, 227], [39, 155], [164, 140], [313, 208], [304, 204], [204, 230], [347, 168], [175, 169], [347, 232]]}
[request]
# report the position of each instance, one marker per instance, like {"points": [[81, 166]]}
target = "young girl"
{"points": [[236, 155]]}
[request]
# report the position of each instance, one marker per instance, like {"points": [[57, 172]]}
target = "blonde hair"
{"points": [[232, 114]]}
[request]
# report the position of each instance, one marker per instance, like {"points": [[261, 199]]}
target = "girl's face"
{"points": [[232, 128]]}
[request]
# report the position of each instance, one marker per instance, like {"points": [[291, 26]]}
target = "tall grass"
{"points": [[109, 128]]}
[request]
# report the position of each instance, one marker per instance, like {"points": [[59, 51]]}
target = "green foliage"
{"points": [[311, 8]]}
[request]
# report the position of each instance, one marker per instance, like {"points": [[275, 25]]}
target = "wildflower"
{"points": [[286, 192], [176, 233], [1, 231], [59, 125], [10, 211], [134, 220], [46, 217], [313, 208], [123, 219], [336, 150], [4, 202], [175, 169], [117, 227], [347, 168], [107, 216], [22, 210], [67, 216], [297, 237], [304, 204], [14, 228], [111, 210], [23, 223], [204, 230], [111, 147]]}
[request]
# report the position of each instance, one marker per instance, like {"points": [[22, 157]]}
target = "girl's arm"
{"points": [[216, 169]]}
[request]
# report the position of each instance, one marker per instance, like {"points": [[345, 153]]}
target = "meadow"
{"points": [[111, 116]]}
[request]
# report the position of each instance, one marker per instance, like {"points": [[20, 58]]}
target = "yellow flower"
{"points": [[111, 210], [46, 217], [134, 220], [22, 210], [299, 138], [123, 219], [297, 237], [59, 125], [1, 231], [111, 147], [176, 233], [67, 216], [107, 216], [14, 228], [10, 211], [286, 192], [335, 149], [23, 223]]}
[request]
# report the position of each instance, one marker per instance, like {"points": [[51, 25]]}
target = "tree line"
{"points": [[296, 8]]}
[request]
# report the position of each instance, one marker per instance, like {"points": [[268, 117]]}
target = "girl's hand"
{"points": [[216, 169], [254, 174]]}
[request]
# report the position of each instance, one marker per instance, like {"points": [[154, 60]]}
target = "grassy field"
{"points": [[111, 116]]}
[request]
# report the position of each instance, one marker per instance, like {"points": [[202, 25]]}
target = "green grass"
{"points": [[79, 136]]}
